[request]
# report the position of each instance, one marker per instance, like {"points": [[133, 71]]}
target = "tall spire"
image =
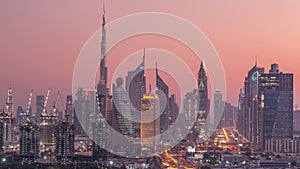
{"points": [[202, 70], [156, 70], [103, 15], [103, 68], [144, 57], [255, 60]]}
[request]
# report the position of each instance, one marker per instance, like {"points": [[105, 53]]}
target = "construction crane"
{"points": [[28, 106], [46, 100], [55, 102]]}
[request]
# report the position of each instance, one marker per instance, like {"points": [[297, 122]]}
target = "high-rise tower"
{"points": [[164, 102], [150, 108], [203, 92], [29, 146], [103, 68], [136, 84], [275, 106], [104, 103], [218, 106], [136, 87], [249, 101], [203, 106], [6, 117], [122, 109], [102, 85]]}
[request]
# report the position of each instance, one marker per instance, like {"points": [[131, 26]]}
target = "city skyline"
{"points": [[275, 41], [151, 85]]}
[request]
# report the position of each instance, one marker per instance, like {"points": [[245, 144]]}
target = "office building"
{"points": [[150, 126], [122, 109], [136, 87], [248, 107], [275, 110], [164, 101], [64, 142], [29, 143]]}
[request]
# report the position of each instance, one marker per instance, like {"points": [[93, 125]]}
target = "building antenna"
{"points": [[103, 7], [156, 69], [144, 57], [256, 60]]}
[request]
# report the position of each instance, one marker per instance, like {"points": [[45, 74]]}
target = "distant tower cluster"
{"points": [[266, 107]]}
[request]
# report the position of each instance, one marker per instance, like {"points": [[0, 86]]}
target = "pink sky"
{"points": [[40, 40]]}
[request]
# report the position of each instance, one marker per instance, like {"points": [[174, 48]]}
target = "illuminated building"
{"points": [[203, 106], [150, 120], [1, 138], [47, 133], [29, 141], [40, 99], [123, 112], [104, 106], [6, 119], [248, 107], [64, 141]]}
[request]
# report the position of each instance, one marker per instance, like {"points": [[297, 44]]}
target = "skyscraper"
{"points": [[275, 105], [85, 107], [150, 112], [6, 118], [196, 107], [190, 109], [164, 102], [103, 105], [1, 138], [102, 85], [241, 124], [203, 106], [100, 135], [218, 106], [29, 146], [20, 114], [249, 101], [40, 99], [173, 110], [203, 92], [47, 130], [122, 109], [136, 87], [64, 141], [228, 118], [69, 113], [136, 84], [65, 134]]}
